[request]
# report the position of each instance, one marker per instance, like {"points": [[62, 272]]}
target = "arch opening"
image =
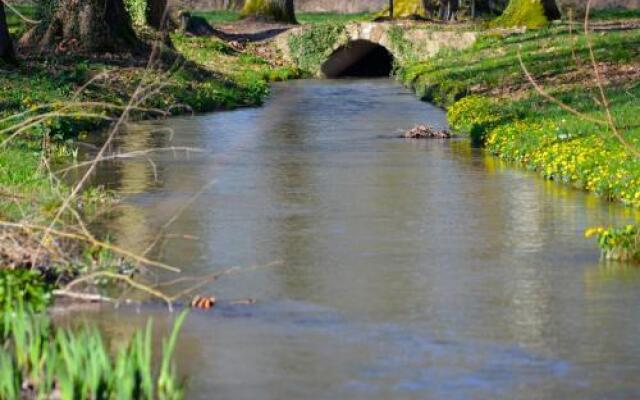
{"points": [[359, 58]]}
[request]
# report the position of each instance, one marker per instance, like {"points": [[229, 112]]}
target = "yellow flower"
{"points": [[593, 231]]}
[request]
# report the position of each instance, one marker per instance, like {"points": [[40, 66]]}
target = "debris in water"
{"points": [[203, 303], [246, 302], [426, 132]]}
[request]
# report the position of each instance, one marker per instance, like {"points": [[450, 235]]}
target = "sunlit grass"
{"points": [[215, 17]]}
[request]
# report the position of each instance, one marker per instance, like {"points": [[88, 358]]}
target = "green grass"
{"points": [[493, 62], [224, 16], [614, 14], [339, 18]]}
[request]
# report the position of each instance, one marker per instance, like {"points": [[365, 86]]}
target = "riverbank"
{"points": [[51, 106], [49, 109], [489, 96]]}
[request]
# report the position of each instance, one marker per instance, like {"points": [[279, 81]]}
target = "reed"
{"points": [[40, 361]]}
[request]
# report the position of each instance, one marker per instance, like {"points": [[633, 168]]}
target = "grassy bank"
{"points": [[489, 97], [67, 98]]}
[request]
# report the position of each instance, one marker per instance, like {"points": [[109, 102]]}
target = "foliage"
{"points": [[529, 13], [403, 48], [620, 244], [476, 116], [38, 360], [584, 160], [23, 286], [313, 45], [138, 11]]}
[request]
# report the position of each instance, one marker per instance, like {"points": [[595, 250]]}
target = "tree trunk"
{"points": [[6, 44], [277, 10], [529, 13], [491, 6], [156, 17], [85, 26]]}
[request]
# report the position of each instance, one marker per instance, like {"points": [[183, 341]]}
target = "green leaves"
{"points": [[137, 10], [78, 363], [312, 46], [23, 286], [620, 244]]}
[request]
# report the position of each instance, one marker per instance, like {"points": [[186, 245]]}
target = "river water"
{"points": [[405, 269]]}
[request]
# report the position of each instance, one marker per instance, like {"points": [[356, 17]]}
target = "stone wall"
{"points": [[416, 41]]}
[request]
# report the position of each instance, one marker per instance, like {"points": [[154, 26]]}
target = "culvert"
{"points": [[359, 58]]}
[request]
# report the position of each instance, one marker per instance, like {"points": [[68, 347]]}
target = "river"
{"points": [[405, 269]]}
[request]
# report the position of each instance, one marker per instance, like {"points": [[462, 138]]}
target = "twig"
{"points": [[131, 154], [98, 243], [125, 278], [94, 298]]}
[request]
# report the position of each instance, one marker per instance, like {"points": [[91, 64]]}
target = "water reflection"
{"points": [[412, 269]]}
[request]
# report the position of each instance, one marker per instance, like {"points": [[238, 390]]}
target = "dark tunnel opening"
{"points": [[359, 58]]}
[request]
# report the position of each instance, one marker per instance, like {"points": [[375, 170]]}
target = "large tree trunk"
{"points": [[156, 14], [85, 26], [278, 10], [6, 44]]}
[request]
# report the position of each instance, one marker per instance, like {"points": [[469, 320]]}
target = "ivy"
{"points": [[311, 47]]}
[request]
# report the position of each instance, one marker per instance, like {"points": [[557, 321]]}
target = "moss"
{"points": [[405, 8], [529, 13], [268, 8]]}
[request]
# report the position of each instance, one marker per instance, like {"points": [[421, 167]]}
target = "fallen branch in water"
{"points": [[89, 297]]}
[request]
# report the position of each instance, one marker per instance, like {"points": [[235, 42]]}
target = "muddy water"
{"points": [[410, 269]]}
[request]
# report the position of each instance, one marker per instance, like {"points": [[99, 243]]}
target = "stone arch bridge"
{"points": [[368, 48]]}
